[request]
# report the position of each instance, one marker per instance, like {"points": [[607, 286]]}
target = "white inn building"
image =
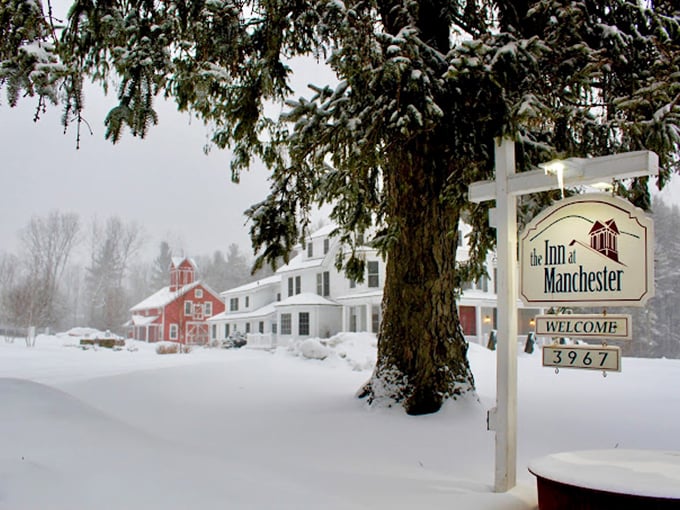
{"points": [[310, 298]]}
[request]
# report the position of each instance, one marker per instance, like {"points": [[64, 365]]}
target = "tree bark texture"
{"points": [[422, 352]]}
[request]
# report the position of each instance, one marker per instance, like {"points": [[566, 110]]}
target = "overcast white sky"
{"points": [[164, 182]]}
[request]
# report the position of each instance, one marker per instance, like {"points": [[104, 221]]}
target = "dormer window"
{"points": [[310, 249]]}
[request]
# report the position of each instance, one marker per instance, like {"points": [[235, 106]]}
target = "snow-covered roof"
{"points": [[360, 295], [258, 284], [141, 320], [176, 261], [324, 231], [260, 312], [163, 297], [306, 298], [300, 262]]}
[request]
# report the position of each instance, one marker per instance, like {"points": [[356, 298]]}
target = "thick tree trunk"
{"points": [[422, 353]]}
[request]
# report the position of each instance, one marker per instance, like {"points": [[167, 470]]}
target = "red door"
{"points": [[468, 321]]}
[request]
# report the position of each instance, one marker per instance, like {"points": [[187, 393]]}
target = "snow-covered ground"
{"points": [[244, 429]]}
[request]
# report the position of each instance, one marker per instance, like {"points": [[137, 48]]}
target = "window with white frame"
{"points": [[375, 318], [207, 308], [247, 327], [173, 331], [247, 298], [373, 273], [323, 284], [326, 245], [310, 249], [226, 331], [260, 327], [199, 293], [213, 334], [298, 284], [303, 323], [188, 308], [326, 283], [290, 286], [233, 304], [286, 324]]}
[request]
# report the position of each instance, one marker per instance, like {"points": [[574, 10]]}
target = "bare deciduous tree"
{"points": [[9, 268], [47, 244]]}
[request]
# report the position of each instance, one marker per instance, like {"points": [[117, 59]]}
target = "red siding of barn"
{"points": [[173, 313]]}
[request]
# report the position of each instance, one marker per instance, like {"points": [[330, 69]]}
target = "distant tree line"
{"points": [[43, 286]]}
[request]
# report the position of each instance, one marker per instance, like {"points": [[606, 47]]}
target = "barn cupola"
{"points": [[182, 272]]}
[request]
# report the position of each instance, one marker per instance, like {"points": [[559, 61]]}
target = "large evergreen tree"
{"points": [[425, 86], [222, 273], [160, 276], [114, 243]]}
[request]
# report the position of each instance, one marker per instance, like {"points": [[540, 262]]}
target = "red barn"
{"points": [[178, 312]]}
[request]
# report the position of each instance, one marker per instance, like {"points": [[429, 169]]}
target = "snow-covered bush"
{"points": [[312, 348], [167, 348], [359, 350]]}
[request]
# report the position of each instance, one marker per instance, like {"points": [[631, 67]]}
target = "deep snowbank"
{"points": [[245, 429]]}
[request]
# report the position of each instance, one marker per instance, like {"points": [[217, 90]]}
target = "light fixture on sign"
{"points": [[555, 167]]}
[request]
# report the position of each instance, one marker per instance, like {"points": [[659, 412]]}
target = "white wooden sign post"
{"points": [[505, 189]]}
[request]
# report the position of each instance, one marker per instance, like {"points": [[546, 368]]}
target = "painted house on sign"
{"points": [[178, 312], [309, 297], [603, 239]]}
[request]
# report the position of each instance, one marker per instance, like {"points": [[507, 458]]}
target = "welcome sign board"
{"points": [[588, 250]]}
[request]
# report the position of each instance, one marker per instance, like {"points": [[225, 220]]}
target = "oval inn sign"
{"points": [[588, 250]]}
